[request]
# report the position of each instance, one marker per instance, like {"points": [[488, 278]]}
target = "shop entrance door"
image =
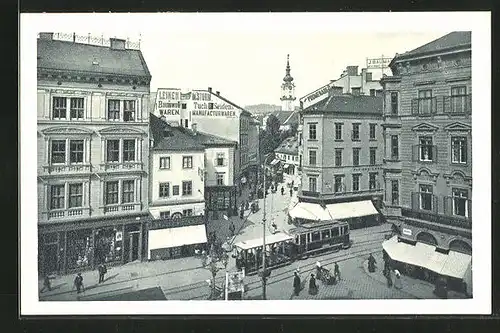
{"points": [[50, 259], [133, 252]]}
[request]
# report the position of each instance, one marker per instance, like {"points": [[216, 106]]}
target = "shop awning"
{"points": [[173, 237], [256, 242], [309, 211], [345, 210], [275, 161], [453, 264]]}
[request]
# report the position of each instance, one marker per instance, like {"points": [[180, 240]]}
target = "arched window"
{"points": [[427, 238], [460, 246]]}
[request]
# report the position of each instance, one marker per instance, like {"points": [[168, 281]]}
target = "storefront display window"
{"points": [[79, 248], [108, 245]]}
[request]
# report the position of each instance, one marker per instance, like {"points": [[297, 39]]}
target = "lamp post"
{"points": [[264, 234]]}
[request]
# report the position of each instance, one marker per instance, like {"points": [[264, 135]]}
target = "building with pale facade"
{"points": [[92, 144], [288, 153]]}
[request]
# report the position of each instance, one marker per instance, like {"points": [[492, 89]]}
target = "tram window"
{"points": [[296, 239], [302, 239], [325, 234], [335, 232], [315, 236], [309, 237], [344, 230]]}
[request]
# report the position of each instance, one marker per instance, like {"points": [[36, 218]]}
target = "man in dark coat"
{"points": [[313, 288], [296, 284], [291, 192], [231, 228], [102, 271], [79, 283], [336, 272]]}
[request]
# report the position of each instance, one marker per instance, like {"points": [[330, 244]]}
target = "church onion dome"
{"points": [[288, 77]]}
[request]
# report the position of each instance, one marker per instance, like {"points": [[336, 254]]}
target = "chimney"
{"points": [[194, 127], [47, 35], [218, 93], [336, 91], [117, 44], [209, 89], [352, 70]]}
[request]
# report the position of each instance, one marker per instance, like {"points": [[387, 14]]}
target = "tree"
{"points": [[272, 125], [214, 261]]}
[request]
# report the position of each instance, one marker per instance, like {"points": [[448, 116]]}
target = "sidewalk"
{"points": [[418, 288]]}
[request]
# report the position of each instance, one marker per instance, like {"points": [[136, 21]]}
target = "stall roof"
{"points": [[257, 242], [345, 210], [310, 211], [173, 237], [453, 264]]}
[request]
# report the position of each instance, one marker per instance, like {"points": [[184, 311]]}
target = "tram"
{"points": [[299, 243]]}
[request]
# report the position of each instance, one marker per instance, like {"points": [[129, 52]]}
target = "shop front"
{"points": [[77, 246], [220, 201]]}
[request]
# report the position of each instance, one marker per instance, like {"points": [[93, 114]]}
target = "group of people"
{"points": [[313, 287]]}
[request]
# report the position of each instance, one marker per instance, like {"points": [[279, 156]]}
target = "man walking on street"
{"points": [[291, 192], [46, 283], [296, 284], [102, 271], [231, 228], [336, 271], [79, 283]]}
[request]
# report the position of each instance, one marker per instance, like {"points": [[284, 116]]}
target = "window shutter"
{"points": [[466, 156], [415, 152], [414, 200], [414, 106], [434, 105], [446, 205], [435, 201], [434, 153]]}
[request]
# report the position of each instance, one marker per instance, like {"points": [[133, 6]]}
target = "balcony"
{"points": [[67, 168], [124, 166], [118, 208], [58, 214]]}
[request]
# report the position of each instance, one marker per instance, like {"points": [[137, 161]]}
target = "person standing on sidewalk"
{"points": [[46, 283], [291, 192], [313, 288], [231, 228], [282, 190], [296, 283], [336, 272], [79, 283], [102, 271]]}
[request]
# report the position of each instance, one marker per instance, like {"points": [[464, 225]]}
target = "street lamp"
{"points": [[264, 273]]}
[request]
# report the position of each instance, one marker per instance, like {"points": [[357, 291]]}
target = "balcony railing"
{"points": [[67, 213], [449, 105], [66, 168], [115, 208], [424, 153], [111, 166]]}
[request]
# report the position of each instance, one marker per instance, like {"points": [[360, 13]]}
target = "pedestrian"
{"points": [[296, 283], [313, 288], [46, 283], [242, 213], [102, 272], [389, 279], [371, 263], [79, 283], [247, 205], [291, 192], [232, 228], [397, 281], [282, 190], [336, 272]]}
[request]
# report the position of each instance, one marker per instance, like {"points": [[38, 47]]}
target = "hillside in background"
{"points": [[262, 108]]}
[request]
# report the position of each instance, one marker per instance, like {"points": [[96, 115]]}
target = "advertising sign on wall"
{"points": [[316, 96], [212, 108], [168, 102]]}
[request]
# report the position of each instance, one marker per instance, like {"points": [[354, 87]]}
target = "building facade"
{"points": [[92, 143], [428, 143], [342, 151], [288, 153], [215, 115], [288, 90]]}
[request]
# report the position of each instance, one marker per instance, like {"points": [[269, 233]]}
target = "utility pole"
{"points": [[264, 277]]}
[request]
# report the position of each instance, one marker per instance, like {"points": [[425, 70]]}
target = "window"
{"points": [[113, 151], [372, 183], [312, 131], [373, 156], [57, 197], [426, 197], [338, 156], [187, 162], [372, 92], [186, 123], [355, 182], [355, 132], [183, 106], [76, 151], [164, 162], [76, 108], [220, 178], [315, 236], [128, 191], [113, 109], [426, 148], [459, 149], [210, 106], [355, 156], [187, 212], [313, 184], [128, 150], [175, 190], [338, 131], [325, 234], [128, 110], [187, 187], [75, 195], [394, 103], [460, 202], [338, 184], [312, 157], [395, 192], [111, 192], [372, 131], [164, 190], [59, 108], [165, 215], [458, 99], [220, 159], [425, 102], [58, 152], [394, 148]]}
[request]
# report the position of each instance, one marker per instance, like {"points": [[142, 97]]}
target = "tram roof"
{"points": [[308, 227], [257, 242]]}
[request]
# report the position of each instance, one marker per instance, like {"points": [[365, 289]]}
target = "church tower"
{"points": [[288, 89]]}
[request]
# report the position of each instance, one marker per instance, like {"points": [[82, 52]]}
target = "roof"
{"points": [[289, 146], [168, 137], [282, 115], [245, 112], [293, 118], [349, 104], [78, 57], [451, 40]]}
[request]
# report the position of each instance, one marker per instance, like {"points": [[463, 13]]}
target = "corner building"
{"points": [[428, 151], [92, 143]]}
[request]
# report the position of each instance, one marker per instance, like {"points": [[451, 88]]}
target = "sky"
{"points": [[244, 55]]}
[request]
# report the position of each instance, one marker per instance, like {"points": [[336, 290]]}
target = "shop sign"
{"points": [[378, 62], [315, 96], [201, 96], [119, 236], [168, 95], [406, 232], [368, 168]]}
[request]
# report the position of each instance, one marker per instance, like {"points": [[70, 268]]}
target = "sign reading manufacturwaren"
{"points": [[378, 62], [213, 109]]}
